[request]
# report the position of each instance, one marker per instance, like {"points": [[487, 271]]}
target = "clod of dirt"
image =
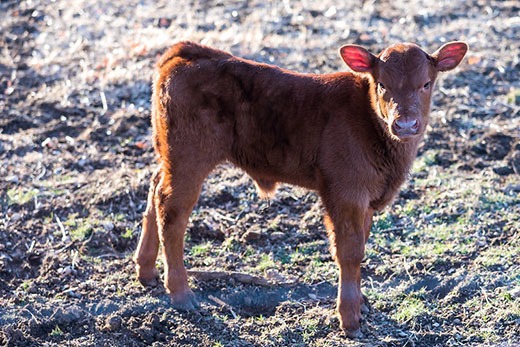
{"points": [[276, 236], [495, 146], [146, 335], [11, 337], [109, 226], [445, 158], [513, 160], [164, 22], [252, 235], [503, 170], [207, 230], [274, 275], [113, 323], [68, 315]]}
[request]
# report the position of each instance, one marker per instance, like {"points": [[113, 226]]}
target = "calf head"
{"points": [[402, 79]]}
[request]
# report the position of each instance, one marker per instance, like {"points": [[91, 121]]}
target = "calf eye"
{"points": [[427, 85], [381, 87]]}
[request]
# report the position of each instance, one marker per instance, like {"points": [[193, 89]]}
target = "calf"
{"points": [[351, 137]]}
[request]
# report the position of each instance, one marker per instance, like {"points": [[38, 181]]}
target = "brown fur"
{"points": [[333, 133]]}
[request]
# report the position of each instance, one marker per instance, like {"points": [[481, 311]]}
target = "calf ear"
{"points": [[357, 58], [450, 55]]}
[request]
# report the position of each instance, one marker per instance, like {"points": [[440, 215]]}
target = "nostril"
{"points": [[402, 126]]}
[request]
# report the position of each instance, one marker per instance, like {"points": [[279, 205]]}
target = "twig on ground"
{"points": [[62, 228], [34, 317], [223, 304]]}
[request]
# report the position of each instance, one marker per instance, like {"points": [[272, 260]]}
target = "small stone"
{"points": [[32, 288], [164, 22], [276, 236], [12, 179], [480, 243], [503, 170], [16, 217], [252, 235], [274, 275], [109, 226], [73, 294], [65, 271], [516, 292], [113, 323], [512, 188], [312, 296]]}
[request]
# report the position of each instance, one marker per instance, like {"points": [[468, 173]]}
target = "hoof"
{"points": [[149, 280], [354, 334], [185, 301]]}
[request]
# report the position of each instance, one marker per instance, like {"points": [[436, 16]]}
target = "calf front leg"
{"points": [[369, 215], [347, 226]]}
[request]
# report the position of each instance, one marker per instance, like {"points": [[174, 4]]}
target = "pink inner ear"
{"points": [[356, 59], [448, 61], [450, 56], [454, 49]]}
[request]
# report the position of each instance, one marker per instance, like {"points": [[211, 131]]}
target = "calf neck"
{"points": [[350, 136]]}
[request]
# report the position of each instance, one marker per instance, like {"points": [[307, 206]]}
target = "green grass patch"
{"points": [[283, 255], [424, 161], [265, 263], [25, 285], [310, 327], [119, 217], [80, 228], [128, 234], [513, 97], [91, 259], [500, 255], [82, 231], [410, 308], [56, 331], [297, 256], [230, 244], [19, 196], [383, 222], [200, 250]]}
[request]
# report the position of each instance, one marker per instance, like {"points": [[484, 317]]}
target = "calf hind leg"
{"points": [[176, 195], [148, 247]]}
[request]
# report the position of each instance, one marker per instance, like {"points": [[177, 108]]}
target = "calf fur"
{"points": [[351, 137]]}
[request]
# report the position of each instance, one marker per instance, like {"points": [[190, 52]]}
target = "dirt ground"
{"points": [[442, 266]]}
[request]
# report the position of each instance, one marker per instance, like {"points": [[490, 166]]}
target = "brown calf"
{"points": [[352, 137]]}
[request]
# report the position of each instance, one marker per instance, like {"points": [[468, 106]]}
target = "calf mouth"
{"points": [[406, 137]]}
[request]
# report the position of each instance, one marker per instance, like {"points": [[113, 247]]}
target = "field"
{"points": [[442, 266]]}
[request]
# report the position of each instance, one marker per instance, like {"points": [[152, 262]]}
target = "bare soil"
{"points": [[442, 266]]}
